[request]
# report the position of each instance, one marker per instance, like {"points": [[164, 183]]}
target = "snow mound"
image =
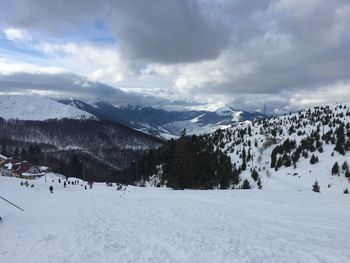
{"points": [[37, 108]]}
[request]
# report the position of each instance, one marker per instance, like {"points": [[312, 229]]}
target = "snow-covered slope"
{"points": [[314, 131], [25, 107], [162, 225]]}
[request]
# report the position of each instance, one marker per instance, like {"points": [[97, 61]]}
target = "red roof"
{"points": [[20, 168]]}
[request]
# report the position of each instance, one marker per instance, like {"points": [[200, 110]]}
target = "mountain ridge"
{"points": [[163, 123]]}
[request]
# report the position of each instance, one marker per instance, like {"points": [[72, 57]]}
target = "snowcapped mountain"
{"points": [[24, 107], [166, 124]]}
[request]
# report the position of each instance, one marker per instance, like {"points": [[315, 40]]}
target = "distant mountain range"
{"points": [[162, 123]]}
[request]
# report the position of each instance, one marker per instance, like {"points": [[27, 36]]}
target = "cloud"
{"points": [[336, 92], [59, 83], [8, 69], [16, 34], [244, 52], [98, 63]]}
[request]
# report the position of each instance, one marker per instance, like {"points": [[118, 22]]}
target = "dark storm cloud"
{"points": [[286, 45], [164, 31]]}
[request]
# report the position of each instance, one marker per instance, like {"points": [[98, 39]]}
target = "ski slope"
{"points": [[163, 225]]}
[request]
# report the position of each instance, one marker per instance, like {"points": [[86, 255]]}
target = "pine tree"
{"points": [[16, 153], [273, 158], [255, 175], [345, 166], [249, 156], [339, 147], [259, 184], [347, 174], [235, 177], [23, 154], [246, 184], [244, 155], [180, 167], [279, 162], [313, 159], [316, 188], [4, 149], [243, 166], [335, 168]]}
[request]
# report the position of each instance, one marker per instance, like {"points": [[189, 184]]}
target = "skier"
{"points": [[51, 189], [64, 184]]}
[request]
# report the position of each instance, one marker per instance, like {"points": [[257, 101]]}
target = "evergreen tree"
{"points": [[255, 175], [23, 154], [4, 150], [249, 156], [246, 184], [273, 158], [243, 166], [259, 184], [347, 174], [244, 155], [313, 159], [345, 166], [279, 162], [235, 177], [180, 169], [335, 168], [16, 153], [316, 188], [339, 147]]}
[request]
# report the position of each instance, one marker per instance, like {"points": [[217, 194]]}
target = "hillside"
{"points": [[161, 225], [104, 147], [292, 151], [289, 152], [24, 107]]}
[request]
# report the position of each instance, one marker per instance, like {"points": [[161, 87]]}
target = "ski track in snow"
{"points": [[162, 225]]}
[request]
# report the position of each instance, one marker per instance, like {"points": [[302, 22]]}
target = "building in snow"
{"points": [[6, 167], [23, 169], [26, 170]]}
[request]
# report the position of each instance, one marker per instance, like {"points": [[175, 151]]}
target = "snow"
{"points": [[25, 107], [193, 127], [3, 157], [8, 166], [163, 225], [224, 111]]}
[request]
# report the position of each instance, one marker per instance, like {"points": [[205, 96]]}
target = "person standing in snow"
{"points": [[51, 189]]}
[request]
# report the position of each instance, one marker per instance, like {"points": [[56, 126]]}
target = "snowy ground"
{"points": [[162, 225]]}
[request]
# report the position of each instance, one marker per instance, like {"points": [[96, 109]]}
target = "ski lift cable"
{"points": [[11, 203]]}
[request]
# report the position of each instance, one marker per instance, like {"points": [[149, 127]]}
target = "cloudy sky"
{"points": [[286, 54]]}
